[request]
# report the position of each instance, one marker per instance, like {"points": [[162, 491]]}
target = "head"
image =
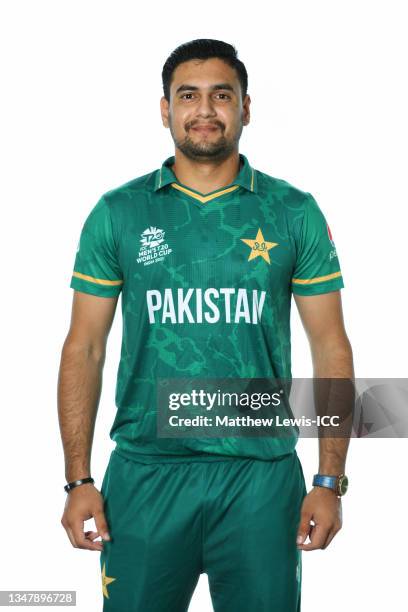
{"points": [[205, 103]]}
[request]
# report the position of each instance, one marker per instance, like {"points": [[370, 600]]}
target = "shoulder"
{"points": [[283, 193], [130, 191]]}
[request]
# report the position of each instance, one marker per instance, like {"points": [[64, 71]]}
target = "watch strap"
{"points": [[321, 480], [76, 483]]}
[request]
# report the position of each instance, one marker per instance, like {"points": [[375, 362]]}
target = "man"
{"points": [[207, 252]]}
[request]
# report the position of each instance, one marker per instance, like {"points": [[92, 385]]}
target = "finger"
{"points": [[331, 536], [81, 540], [70, 536], [91, 535], [304, 528], [317, 538], [101, 525]]}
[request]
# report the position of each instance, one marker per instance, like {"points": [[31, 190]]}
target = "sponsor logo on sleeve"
{"points": [[333, 252]]}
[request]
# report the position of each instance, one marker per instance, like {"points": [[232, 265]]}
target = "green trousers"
{"points": [[234, 519]]}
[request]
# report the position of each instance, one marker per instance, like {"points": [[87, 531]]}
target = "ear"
{"points": [[164, 110], [245, 109]]}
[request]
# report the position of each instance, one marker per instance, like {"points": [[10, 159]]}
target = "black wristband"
{"points": [[76, 483]]}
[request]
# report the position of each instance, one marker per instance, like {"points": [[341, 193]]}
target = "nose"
{"points": [[206, 107]]}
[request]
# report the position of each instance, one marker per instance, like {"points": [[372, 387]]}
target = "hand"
{"points": [[84, 502], [323, 507]]}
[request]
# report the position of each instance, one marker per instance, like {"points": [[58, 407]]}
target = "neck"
{"points": [[205, 176]]}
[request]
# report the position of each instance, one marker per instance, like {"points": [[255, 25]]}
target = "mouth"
{"points": [[205, 128]]}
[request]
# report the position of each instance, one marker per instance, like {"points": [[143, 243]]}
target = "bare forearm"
{"points": [[333, 359], [79, 388]]}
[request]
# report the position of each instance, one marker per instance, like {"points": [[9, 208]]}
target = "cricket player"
{"points": [[206, 252]]}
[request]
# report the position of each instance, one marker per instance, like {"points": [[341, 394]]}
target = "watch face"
{"points": [[343, 485]]}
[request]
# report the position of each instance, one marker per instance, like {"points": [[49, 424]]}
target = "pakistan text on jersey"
{"points": [[205, 306]]}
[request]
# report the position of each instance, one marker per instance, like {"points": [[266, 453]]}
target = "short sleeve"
{"points": [[317, 267], [96, 267]]}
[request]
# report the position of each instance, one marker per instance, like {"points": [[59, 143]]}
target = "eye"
{"points": [[224, 96], [183, 96]]}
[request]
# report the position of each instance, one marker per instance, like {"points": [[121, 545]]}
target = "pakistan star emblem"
{"points": [[259, 246], [105, 581]]}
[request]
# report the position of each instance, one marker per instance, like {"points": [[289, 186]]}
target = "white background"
{"points": [[81, 83]]}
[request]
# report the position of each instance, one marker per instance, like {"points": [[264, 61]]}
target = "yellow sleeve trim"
{"points": [[99, 281], [317, 279]]}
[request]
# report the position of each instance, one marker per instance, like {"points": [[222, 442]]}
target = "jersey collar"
{"points": [[246, 177]]}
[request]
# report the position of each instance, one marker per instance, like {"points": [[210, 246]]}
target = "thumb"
{"points": [[101, 525], [304, 527]]}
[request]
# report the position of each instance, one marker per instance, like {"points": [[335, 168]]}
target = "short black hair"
{"points": [[203, 48]]}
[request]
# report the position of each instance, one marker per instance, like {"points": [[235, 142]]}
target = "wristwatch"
{"points": [[339, 484]]}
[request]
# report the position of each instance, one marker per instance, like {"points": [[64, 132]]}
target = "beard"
{"points": [[207, 150]]}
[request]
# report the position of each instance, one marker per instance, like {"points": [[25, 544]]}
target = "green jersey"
{"points": [[206, 284]]}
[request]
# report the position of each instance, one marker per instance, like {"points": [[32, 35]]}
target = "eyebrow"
{"points": [[187, 87]]}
